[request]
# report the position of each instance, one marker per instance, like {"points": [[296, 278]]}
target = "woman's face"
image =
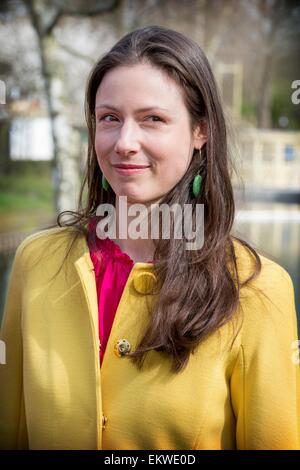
{"points": [[142, 121]]}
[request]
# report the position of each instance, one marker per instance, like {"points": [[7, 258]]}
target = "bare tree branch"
{"points": [[48, 28], [63, 7], [97, 7]]}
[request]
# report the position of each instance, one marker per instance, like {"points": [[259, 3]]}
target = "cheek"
{"points": [[175, 160], [100, 151], [98, 144], [102, 144]]}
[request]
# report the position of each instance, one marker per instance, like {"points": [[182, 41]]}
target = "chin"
{"points": [[136, 198]]}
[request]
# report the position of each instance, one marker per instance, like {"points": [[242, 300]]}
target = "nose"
{"points": [[127, 141]]}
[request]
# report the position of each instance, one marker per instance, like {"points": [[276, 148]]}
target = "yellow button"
{"points": [[104, 421], [122, 347], [144, 283]]}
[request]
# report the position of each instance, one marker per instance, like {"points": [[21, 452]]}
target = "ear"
{"points": [[200, 134]]}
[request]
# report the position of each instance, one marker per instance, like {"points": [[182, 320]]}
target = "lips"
{"points": [[129, 169], [124, 166]]}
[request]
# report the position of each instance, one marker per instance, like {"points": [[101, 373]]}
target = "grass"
{"points": [[26, 200]]}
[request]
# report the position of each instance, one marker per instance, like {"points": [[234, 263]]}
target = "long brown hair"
{"points": [[206, 294]]}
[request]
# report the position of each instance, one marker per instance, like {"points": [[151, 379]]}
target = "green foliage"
{"points": [[282, 105], [249, 111]]}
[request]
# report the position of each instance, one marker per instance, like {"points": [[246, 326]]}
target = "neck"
{"points": [[129, 227]]}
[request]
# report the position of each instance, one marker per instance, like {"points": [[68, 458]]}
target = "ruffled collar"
{"points": [[109, 248], [106, 247]]}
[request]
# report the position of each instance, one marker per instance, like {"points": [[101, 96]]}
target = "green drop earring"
{"points": [[105, 184], [197, 185], [197, 181]]}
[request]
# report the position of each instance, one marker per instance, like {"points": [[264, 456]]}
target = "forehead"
{"points": [[139, 83]]}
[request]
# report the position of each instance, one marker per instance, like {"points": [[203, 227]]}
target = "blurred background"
{"points": [[47, 50]]}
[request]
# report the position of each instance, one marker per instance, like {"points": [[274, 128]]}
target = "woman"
{"points": [[142, 343]]}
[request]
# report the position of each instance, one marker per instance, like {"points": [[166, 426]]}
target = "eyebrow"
{"points": [[141, 110]]}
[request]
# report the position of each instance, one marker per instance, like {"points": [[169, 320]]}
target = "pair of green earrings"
{"points": [[197, 181], [196, 187]]}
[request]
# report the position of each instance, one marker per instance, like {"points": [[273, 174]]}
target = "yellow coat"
{"points": [[54, 395]]}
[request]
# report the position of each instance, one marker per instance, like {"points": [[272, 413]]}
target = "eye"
{"points": [[157, 118], [102, 118]]}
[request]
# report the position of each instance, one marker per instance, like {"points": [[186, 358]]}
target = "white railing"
{"points": [[270, 158]]}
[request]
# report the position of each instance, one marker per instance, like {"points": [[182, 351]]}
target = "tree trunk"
{"points": [[67, 139], [66, 179], [264, 98], [264, 116]]}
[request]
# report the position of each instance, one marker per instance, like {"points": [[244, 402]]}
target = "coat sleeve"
{"points": [[265, 383], [13, 431]]}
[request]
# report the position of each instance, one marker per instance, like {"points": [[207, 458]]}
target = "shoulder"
{"points": [[267, 302], [49, 242], [42, 237], [271, 275]]}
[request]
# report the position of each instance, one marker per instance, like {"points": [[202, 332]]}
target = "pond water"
{"points": [[274, 230]]}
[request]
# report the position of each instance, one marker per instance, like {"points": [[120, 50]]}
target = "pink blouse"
{"points": [[112, 267]]}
